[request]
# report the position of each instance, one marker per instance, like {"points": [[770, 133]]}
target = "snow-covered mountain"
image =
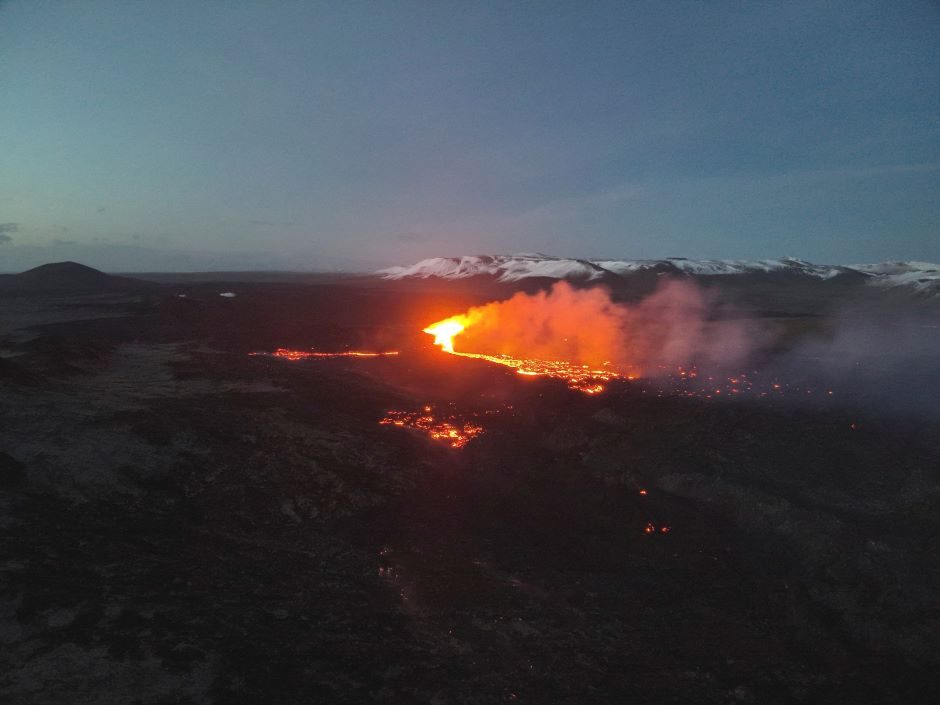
{"points": [[505, 268], [714, 267], [922, 276]]}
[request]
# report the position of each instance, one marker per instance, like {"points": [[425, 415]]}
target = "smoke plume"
{"points": [[668, 328]]}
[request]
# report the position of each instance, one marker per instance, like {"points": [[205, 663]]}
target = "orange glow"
{"points": [[589, 340], [651, 528], [585, 337], [287, 354], [445, 331], [578, 377], [566, 334], [583, 334], [586, 378], [455, 432], [582, 377]]}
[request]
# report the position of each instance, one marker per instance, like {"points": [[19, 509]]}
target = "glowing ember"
{"points": [[287, 354], [689, 382], [455, 432]]}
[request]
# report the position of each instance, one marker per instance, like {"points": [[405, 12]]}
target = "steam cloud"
{"points": [[670, 327]]}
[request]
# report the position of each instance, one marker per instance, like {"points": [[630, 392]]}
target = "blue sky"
{"points": [[351, 135]]}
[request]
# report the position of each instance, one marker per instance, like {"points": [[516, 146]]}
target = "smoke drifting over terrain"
{"points": [[668, 328], [882, 358], [876, 357]]}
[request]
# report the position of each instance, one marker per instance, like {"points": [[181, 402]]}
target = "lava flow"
{"points": [[288, 354], [583, 378], [587, 338], [679, 380]]}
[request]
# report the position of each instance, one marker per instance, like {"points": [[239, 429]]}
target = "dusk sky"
{"points": [[153, 136]]}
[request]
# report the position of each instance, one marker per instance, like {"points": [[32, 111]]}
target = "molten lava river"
{"points": [[583, 378]]}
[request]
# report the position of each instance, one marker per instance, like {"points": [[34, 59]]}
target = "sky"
{"points": [[354, 135]]}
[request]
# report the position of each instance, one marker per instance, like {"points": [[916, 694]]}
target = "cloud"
{"points": [[5, 239], [9, 227]]}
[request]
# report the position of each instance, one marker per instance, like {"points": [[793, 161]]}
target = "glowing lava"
{"points": [[455, 432], [651, 528], [287, 354], [583, 378], [681, 380], [445, 331]]}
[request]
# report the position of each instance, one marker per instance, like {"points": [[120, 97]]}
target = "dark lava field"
{"points": [[183, 522]]}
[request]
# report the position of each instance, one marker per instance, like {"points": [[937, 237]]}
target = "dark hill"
{"points": [[67, 278]]}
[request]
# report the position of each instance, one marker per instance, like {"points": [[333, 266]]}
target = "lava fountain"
{"points": [[445, 331]]}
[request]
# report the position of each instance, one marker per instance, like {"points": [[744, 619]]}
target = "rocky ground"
{"points": [[184, 523]]}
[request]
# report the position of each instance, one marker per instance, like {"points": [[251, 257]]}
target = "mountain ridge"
{"points": [[919, 276]]}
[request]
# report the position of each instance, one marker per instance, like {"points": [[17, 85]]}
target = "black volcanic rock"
{"points": [[185, 523], [12, 473], [67, 278], [13, 373]]}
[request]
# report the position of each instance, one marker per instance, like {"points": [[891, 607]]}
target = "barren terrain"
{"points": [[183, 522]]}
